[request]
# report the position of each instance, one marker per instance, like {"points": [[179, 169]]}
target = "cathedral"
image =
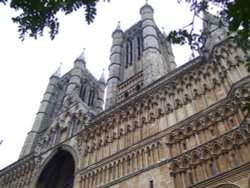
{"points": [[160, 126]]}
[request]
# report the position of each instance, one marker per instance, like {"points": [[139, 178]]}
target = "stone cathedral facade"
{"points": [[162, 127]]}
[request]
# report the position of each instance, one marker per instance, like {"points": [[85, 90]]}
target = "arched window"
{"points": [[184, 145], [82, 92], [91, 98], [151, 184], [130, 53], [138, 47], [127, 54]]}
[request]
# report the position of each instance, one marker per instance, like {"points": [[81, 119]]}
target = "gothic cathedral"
{"points": [[162, 127]]}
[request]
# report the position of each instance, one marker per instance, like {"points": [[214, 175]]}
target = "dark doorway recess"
{"points": [[59, 172]]}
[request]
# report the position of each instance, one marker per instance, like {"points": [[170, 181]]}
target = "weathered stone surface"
{"points": [[186, 129]]}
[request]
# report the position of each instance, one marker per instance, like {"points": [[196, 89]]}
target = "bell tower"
{"points": [[67, 98], [139, 56]]}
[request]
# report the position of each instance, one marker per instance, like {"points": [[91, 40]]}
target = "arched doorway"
{"points": [[59, 172]]}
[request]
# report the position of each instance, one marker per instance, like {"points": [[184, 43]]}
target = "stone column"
{"points": [[204, 170], [136, 163], [146, 159], [197, 139], [156, 154], [116, 176], [183, 179], [141, 160]]}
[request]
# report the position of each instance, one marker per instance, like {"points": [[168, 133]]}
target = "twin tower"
{"points": [[139, 56]]}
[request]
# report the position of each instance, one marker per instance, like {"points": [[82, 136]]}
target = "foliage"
{"points": [[36, 15], [235, 13], [3, 1]]}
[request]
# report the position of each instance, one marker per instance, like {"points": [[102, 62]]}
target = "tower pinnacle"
{"points": [[80, 60], [118, 26], [57, 73], [216, 30], [102, 78], [163, 32], [82, 55]]}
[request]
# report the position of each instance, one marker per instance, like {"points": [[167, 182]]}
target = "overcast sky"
{"points": [[25, 67]]}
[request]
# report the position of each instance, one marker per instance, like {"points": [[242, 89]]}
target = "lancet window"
{"points": [[83, 92], [91, 97]]}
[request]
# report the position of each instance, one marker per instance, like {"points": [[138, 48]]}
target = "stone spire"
{"points": [[82, 55], [102, 78], [57, 73], [163, 31], [80, 60], [118, 26]]}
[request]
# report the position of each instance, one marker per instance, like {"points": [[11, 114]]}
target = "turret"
{"points": [[153, 64], [100, 98], [114, 67], [168, 54], [43, 115], [217, 32], [76, 74]]}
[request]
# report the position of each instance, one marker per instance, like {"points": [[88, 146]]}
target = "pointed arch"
{"points": [[185, 162], [238, 138], [136, 124], [227, 142], [180, 134], [195, 157], [244, 92], [175, 166], [143, 120], [246, 133], [178, 103], [205, 153], [216, 148], [227, 111], [208, 120], [187, 98], [217, 116], [170, 138], [188, 130], [169, 108], [152, 116], [91, 97], [57, 170], [198, 125]]}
